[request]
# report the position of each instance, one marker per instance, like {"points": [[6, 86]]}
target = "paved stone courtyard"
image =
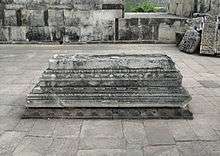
{"points": [[21, 66]]}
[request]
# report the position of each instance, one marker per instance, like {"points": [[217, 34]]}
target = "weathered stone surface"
{"points": [[209, 37], [190, 41], [10, 18], [210, 26], [108, 112], [167, 30], [43, 128], [38, 34], [25, 56], [181, 8], [218, 42], [179, 37], [4, 34], [61, 146], [161, 150], [14, 6], [182, 131], [87, 4], [67, 129], [128, 29], [135, 134], [215, 7], [91, 20], [149, 27], [33, 146], [57, 33], [196, 22], [158, 133], [72, 18], [72, 34], [32, 17], [56, 18], [114, 62], [109, 152], [10, 140], [110, 81], [18, 33]]}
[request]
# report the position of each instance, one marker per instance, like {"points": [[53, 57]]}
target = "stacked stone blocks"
{"points": [[155, 28], [109, 86], [64, 20]]}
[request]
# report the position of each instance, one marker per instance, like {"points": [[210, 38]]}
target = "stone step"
{"points": [[111, 78], [140, 70], [109, 113], [112, 97], [108, 90], [112, 103], [117, 74], [109, 83]]}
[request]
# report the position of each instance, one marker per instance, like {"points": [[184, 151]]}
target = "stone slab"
{"points": [[38, 34], [108, 113], [10, 18], [209, 37], [4, 34], [158, 133], [32, 17], [18, 33], [74, 82], [56, 17], [190, 41], [71, 34], [80, 61]]}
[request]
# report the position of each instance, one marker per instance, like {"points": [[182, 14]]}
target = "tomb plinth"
{"points": [[109, 86]]}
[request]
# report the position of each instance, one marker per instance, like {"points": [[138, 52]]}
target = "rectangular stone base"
{"points": [[108, 113]]}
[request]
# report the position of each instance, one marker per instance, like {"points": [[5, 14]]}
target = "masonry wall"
{"points": [[154, 28], [59, 20], [162, 3], [182, 7], [73, 21]]}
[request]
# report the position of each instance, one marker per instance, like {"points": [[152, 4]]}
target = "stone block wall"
{"points": [[210, 6], [150, 27], [59, 20], [161, 3], [181, 7]]}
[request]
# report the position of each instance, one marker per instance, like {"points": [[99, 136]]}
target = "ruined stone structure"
{"points": [[73, 21], [70, 21], [155, 27], [59, 20], [181, 7], [209, 10], [109, 86], [211, 28]]}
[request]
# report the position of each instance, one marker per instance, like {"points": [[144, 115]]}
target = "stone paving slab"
{"points": [[19, 137]]}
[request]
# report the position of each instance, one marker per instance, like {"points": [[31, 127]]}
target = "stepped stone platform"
{"points": [[109, 86]]}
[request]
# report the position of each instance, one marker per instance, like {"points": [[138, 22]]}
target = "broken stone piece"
{"points": [[190, 41], [141, 86]]}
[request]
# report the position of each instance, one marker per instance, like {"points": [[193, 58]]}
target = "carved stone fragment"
{"points": [[82, 84], [209, 36], [190, 41]]}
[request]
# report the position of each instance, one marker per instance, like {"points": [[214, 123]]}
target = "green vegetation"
{"points": [[145, 6]]}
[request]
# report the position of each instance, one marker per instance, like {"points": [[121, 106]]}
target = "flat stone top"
{"points": [[80, 61], [151, 15]]}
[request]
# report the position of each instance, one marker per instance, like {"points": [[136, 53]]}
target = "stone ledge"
{"points": [[110, 113]]}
